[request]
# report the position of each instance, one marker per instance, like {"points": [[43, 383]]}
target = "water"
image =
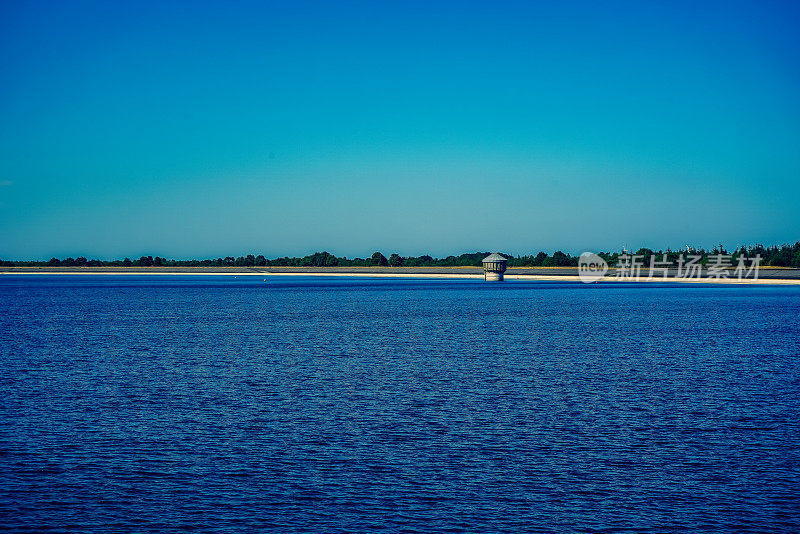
{"points": [[152, 404]]}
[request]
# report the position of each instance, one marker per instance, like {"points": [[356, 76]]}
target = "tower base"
{"points": [[492, 276]]}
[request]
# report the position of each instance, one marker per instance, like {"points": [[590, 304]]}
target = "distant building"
{"points": [[494, 265]]}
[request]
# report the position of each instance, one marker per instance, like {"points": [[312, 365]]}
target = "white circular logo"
{"points": [[591, 267]]}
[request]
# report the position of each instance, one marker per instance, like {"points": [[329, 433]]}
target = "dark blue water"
{"points": [[156, 404]]}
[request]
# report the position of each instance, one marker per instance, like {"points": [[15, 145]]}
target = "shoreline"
{"points": [[453, 273]]}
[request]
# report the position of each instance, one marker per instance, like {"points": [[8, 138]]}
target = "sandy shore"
{"points": [[562, 278], [766, 276]]}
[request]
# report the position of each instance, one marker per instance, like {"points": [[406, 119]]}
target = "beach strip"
{"points": [[454, 276]]}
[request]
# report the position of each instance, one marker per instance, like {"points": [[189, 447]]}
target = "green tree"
{"points": [[395, 260], [559, 259], [379, 259]]}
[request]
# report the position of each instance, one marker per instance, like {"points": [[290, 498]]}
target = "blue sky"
{"points": [[192, 129]]}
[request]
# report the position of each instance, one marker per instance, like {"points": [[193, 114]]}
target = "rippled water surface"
{"points": [[330, 405]]}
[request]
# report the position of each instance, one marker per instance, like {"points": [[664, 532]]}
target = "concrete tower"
{"points": [[494, 265]]}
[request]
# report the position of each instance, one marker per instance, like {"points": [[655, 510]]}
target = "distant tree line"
{"points": [[787, 255], [778, 256]]}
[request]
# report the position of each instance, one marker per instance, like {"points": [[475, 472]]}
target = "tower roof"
{"points": [[494, 258]]}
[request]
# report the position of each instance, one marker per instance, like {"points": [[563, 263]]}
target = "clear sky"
{"points": [[193, 129]]}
